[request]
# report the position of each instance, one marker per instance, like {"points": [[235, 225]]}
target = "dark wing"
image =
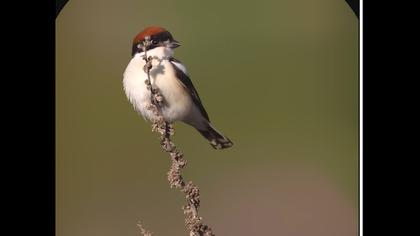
{"points": [[186, 81]]}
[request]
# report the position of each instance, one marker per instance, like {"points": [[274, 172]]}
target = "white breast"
{"points": [[178, 103]]}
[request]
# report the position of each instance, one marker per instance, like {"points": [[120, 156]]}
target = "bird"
{"points": [[167, 74]]}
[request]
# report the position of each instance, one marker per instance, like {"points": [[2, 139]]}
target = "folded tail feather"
{"points": [[217, 140]]}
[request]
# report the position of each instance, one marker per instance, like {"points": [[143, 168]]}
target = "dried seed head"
{"points": [[192, 194]]}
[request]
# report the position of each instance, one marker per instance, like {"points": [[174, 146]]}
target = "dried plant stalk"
{"points": [[143, 231], [193, 221]]}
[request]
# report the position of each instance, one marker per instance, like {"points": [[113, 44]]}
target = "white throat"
{"points": [[160, 53]]}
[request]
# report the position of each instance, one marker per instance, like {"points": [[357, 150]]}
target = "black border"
{"points": [[28, 87]]}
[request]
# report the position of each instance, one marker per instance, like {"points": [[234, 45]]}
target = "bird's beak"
{"points": [[174, 44]]}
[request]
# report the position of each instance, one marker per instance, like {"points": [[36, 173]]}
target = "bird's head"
{"points": [[159, 37]]}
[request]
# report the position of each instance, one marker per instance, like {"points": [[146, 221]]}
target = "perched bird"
{"points": [[181, 100]]}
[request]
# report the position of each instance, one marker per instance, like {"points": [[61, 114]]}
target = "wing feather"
{"points": [[181, 74]]}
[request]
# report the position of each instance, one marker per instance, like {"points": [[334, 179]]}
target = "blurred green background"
{"points": [[279, 78]]}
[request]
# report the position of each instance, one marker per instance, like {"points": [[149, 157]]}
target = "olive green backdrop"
{"points": [[279, 78]]}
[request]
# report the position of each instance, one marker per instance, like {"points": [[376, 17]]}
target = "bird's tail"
{"points": [[217, 140]]}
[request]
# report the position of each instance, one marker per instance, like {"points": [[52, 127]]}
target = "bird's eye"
{"points": [[154, 41]]}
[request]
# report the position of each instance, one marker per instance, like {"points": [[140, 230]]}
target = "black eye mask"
{"points": [[157, 41]]}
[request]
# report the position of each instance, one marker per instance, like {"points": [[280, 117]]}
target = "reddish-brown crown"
{"points": [[149, 31]]}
